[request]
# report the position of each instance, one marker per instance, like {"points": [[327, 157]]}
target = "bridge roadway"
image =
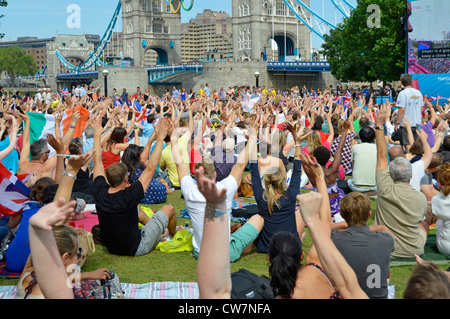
{"points": [[165, 74]]}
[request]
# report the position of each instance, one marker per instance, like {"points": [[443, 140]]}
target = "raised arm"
{"points": [[12, 139], [382, 152], [25, 152], [182, 168], [213, 268], [244, 156], [152, 164], [338, 154], [427, 152], [50, 271], [99, 169], [332, 261]]}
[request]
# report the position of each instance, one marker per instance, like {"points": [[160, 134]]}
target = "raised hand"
{"points": [[77, 162], [309, 205], [56, 143]]}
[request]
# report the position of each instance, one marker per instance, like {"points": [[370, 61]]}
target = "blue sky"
{"points": [[47, 18]]}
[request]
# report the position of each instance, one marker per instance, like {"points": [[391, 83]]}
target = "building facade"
{"points": [[207, 37], [268, 30], [151, 25]]}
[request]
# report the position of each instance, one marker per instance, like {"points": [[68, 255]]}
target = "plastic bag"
{"points": [[182, 241]]}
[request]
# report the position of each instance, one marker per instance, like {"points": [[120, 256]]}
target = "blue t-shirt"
{"points": [[11, 161], [19, 249]]}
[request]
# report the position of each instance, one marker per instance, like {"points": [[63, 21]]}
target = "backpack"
{"points": [[247, 285]]}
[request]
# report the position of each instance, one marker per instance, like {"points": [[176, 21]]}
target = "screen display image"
{"points": [[429, 45]]}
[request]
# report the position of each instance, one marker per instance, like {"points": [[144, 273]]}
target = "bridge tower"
{"points": [[151, 25], [259, 23]]}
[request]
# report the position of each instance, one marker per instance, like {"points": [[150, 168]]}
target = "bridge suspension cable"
{"points": [[94, 57]]}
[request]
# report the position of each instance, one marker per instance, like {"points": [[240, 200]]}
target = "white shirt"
{"points": [[412, 101], [196, 203], [418, 171], [441, 208], [240, 134]]}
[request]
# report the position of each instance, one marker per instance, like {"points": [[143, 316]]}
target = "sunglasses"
{"points": [[79, 253]]}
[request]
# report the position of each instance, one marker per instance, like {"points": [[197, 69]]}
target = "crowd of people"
{"points": [[205, 144]]}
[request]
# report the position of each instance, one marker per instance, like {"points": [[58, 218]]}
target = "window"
{"points": [[157, 28], [156, 6], [281, 8], [245, 42], [128, 6]]}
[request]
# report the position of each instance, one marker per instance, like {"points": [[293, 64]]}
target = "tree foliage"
{"points": [[3, 3], [358, 51], [16, 61]]}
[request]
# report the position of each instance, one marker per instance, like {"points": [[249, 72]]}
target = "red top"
{"points": [[109, 158]]}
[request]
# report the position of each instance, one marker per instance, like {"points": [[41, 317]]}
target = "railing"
{"points": [[313, 66]]}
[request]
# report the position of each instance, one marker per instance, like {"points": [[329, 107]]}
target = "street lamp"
{"points": [[105, 75], [257, 78]]}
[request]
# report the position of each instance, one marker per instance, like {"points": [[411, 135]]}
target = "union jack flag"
{"points": [[14, 194], [118, 102], [137, 108], [65, 92], [339, 100]]}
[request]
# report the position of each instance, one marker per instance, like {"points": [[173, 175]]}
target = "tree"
{"points": [[15, 61], [359, 49], [3, 3]]}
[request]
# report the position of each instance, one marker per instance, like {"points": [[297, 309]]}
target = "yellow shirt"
{"points": [[202, 92], [167, 159]]}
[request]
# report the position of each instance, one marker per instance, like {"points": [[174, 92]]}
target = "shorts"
{"points": [[401, 135], [239, 240], [151, 233]]}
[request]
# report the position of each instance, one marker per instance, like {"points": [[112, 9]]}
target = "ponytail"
{"points": [[274, 185]]}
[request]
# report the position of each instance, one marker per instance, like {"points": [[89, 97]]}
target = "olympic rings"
{"points": [[180, 4]]}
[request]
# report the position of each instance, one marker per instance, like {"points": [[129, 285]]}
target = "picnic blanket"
{"points": [[88, 222], [5, 273], [431, 254], [153, 290]]}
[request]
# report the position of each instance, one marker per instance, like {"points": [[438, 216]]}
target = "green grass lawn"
{"points": [[158, 266]]}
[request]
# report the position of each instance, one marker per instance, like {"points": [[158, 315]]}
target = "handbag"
{"points": [[109, 288], [86, 242], [245, 188]]}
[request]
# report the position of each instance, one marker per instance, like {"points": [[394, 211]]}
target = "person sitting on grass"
{"points": [[363, 246], [276, 204], [117, 204], [441, 209], [400, 207], [195, 201], [335, 194], [61, 240], [364, 157]]}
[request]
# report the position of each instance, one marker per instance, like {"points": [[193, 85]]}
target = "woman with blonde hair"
{"points": [[275, 203], [441, 209]]}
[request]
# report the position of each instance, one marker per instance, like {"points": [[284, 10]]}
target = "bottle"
{"points": [[190, 230]]}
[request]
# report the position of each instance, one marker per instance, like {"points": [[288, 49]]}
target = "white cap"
{"points": [[228, 145]]}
